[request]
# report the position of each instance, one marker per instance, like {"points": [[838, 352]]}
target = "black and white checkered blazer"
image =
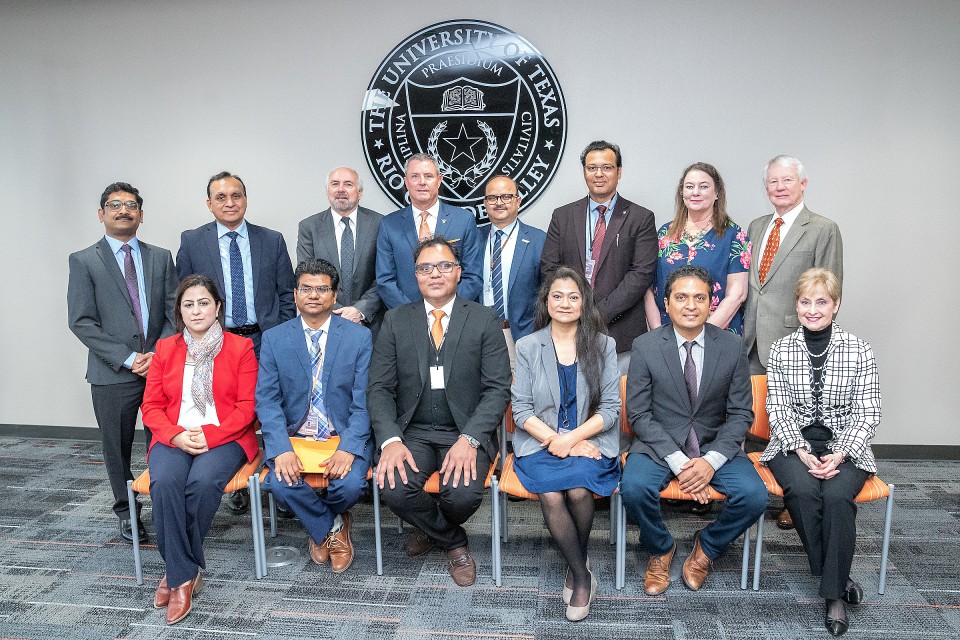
{"points": [[850, 402]]}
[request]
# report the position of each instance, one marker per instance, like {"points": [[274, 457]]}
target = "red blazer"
{"points": [[234, 386]]}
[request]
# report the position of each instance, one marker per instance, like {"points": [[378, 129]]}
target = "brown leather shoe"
{"points": [[319, 553], [181, 599], [162, 596], [697, 566], [463, 568], [784, 520], [339, 547], [658, 573], [418, 543]]}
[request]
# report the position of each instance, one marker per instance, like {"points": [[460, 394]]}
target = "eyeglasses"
{"points": [[116, 205], [786, 182], [605, 168], [426, 268], [507, 198], [321, 290]]}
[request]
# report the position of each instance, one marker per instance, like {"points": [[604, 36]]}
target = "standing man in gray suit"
{"points": [[785, 244], [120, 298], [348, 241]]}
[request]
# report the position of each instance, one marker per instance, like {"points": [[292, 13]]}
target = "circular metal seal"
{"points": [[478, 97]]}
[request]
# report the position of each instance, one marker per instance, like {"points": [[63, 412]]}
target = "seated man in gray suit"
{"points": [[120, 298], [689, 405]]}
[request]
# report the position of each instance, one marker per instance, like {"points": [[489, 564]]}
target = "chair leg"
{"points": [[504, 521], [745, 565], [256, 524], [758, 551], [621, 553], [613, 523], [886, 542], [272, 503], [377, 536], [495, 531], [135, 526]]}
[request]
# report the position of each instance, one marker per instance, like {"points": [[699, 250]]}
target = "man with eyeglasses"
{"points": [[511, 261], [312, 384], [439, 385], [792, 240], [426, 216], [120, 298], [610, 240]]}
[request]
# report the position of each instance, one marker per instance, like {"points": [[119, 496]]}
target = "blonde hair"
{"points": [[818, 277]]}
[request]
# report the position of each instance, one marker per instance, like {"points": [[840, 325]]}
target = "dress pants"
{"points": [[825, 514], [315, 512], [186, 492], [438, 516], [643, 480], [115, 407]]}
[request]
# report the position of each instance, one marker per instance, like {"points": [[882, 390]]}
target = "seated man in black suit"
{"points": [[439, 384]]}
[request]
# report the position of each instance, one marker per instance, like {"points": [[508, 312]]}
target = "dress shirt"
{"points": [[339, 226], [190, 417], [788, 219], [592, 219], [433, 210], [509, 243], [322, 344], [678, 458], [243, 241], [141, 284]]}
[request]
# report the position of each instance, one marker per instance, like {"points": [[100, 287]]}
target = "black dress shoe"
{"points": [[239, 502], [853, 594], [126, 531], [286, 514], [836, 626]]}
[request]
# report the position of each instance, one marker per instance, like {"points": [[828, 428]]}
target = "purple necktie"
{"points": [[130, 277], [691, 448]]}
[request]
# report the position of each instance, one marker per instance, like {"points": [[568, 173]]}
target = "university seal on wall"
{"points": [[475, 95]]}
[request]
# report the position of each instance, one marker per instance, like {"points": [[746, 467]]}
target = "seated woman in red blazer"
{"points": [[199, 404]]}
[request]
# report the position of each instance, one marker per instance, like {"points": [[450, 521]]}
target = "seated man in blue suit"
{"points": [[313, 383], [511, 264], [690, 405], [424, 217]]}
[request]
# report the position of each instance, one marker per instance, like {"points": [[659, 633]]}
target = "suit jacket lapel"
{"points": [[110, 263], [329, 237], [797, 229], [519, 250], [548, 360], [409, 227], [671, 357], [298, 343], [711, 357], [458, 318], [579, 226], [212, 242], [333, 344], [256, 248], [415, 322], [365, 240], [610, 238]]}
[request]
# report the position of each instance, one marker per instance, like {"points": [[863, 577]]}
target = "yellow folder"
{"points": [[314, 454]]}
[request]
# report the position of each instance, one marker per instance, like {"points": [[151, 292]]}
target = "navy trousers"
{"points": [[644, 479], [186, 492]]}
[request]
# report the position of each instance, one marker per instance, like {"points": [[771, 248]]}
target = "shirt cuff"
{"points": [[128, 363], [390, 441], [715, 458], [676, 460]]}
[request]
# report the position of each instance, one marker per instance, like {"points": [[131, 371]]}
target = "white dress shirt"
{"points": [[788, 219], [434, 211], [509, 243], [339, 227]]}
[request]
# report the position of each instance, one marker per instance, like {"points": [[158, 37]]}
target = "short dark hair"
{"points": [[120, 186], [197, 280], [688, 271], [318, 267], [435, 241], [601, 145], [221, 176]]}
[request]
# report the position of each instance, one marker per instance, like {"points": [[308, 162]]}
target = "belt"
{"points": [[504, 324], [245, 330]]}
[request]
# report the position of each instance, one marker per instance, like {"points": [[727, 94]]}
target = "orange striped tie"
{"points": [[424, 227], [436, 330], [769, 251]]}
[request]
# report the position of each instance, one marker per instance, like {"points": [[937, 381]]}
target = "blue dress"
{"points": [[543, 472], [719, 256]]}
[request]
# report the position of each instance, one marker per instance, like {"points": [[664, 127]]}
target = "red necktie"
{"points": [[599, 232], [769, 251]]}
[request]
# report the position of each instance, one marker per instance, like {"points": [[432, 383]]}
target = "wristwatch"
{"points": [[470, 439]]}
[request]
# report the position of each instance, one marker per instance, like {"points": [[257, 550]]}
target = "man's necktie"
{"points": [[130, 277], [424, 227], [316, 396], [691, 447], [346, 264], [436, 330], [599, 231], [238, 292], [496, 274], [769, 251]]}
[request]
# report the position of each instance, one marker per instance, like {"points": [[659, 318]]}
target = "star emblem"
{"points": [[378, 144], [463, 144], [548, 144]]}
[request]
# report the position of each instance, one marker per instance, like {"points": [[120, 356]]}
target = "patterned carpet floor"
{"points": [[65, 572]]}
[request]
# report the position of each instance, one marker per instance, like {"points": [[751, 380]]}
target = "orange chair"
{"points": [[246, 477], [873, 489]]}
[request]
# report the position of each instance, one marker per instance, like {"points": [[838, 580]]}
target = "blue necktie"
{"points": [[346, 264], [237, 290], [316, 397], [497, 274]]}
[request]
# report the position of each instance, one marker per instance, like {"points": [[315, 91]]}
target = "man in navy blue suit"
{"points": [[424, 217], [511, 261], [249, 263], [313, 383]]}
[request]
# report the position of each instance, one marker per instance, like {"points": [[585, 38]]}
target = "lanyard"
{"points": [[591, 227], [494, 259]]}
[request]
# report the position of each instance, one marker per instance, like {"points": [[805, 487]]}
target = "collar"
{"points": [[337, 217], [116, 244], [325, 327], [699, 339], [433, 210], [507, 230], [447, 308], [241, 230], [789, 216], [610, 204]]}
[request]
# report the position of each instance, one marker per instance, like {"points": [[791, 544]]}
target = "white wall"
{"points": [[165, 94]]}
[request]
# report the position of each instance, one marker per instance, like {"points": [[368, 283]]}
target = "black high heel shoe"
{"points": [[853, 594], [836, 626]]}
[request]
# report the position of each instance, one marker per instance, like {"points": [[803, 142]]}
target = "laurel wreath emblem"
{"points": [[476, 172]]}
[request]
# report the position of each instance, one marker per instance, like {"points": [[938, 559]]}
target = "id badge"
{"points": [[436, 377], [588, 269]]}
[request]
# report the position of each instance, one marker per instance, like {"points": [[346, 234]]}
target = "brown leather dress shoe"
{"points": [[784, 520], [319, 553], [463, 568], [162, 596], [658, 573], [418, 543], [181, 599], [697, 566], [339, 547]]}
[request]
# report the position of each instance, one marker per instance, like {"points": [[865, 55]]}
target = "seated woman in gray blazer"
{"points": [[566, 403]]}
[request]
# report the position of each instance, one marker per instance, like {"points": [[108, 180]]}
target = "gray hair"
{"points": [[355, 172], [420, 157], [785, 161]]}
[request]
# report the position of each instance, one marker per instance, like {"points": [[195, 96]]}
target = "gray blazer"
{"points": [[658, 405], [771, 309], [100, 314], [536, 392]]}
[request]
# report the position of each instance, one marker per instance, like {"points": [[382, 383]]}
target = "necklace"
{"points": [[815, 355], [697, 234]]}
